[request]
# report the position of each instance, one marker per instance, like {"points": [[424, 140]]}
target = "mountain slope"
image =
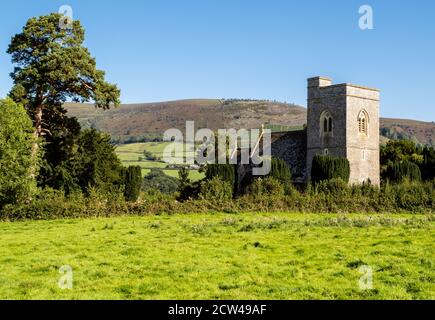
{"points": [[138, 121]]}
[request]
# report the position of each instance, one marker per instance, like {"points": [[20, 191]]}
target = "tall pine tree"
{"points": [[51, 67]]}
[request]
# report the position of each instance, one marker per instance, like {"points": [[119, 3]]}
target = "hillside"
{"points": [[139, 122]]}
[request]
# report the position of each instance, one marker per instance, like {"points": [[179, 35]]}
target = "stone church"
{"points": [[343, 121]]}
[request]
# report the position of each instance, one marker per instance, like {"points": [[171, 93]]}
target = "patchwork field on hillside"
{"points": [[133, 155], [220, 256]]}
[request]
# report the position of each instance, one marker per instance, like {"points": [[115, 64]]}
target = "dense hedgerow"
{"points": [[327, 196], [54, 204]]}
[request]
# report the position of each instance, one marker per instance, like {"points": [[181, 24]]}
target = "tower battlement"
{"points": [[322, 87]]}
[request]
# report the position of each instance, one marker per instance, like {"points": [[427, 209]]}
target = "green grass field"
{"points": [[129, 155], [220, 256]]}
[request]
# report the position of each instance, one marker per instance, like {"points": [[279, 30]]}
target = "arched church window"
{"points": [[326, 122], [363, 122]]}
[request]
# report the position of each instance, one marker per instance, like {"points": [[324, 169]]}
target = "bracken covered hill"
{"points": [[136, 122]]}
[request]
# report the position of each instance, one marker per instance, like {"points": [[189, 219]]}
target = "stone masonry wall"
{"points": [[292, 148], [363, 150], [344, 102]]}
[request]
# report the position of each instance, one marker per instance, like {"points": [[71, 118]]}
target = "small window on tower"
{"points": [[326, 152]]}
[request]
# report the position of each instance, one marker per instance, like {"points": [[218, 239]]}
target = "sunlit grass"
{"points": [[220, 256]]}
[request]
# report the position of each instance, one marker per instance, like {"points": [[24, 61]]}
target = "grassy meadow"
{"points": [[220, 256], [130, 155]]}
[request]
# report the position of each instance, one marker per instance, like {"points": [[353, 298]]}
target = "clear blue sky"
{"points": [[158, 50]]}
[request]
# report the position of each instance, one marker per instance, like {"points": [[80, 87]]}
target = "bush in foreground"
{"points": [[226, 172], [269, 186], [216, 189]]}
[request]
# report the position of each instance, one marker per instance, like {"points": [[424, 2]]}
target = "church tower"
{"points": [[343, 121]]}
